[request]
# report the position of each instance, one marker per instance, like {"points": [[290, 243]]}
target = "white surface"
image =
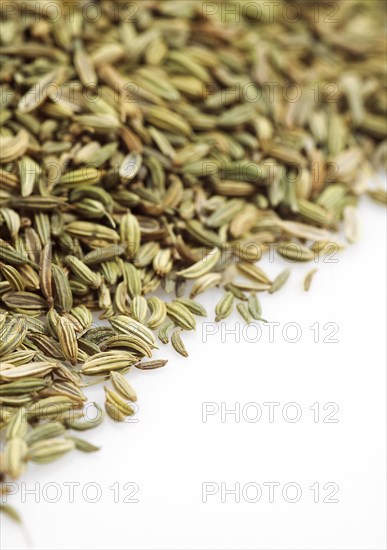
{"points": [[170, 452]]}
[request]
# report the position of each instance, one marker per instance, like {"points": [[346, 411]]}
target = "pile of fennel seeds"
{"points": [[143, 152]]}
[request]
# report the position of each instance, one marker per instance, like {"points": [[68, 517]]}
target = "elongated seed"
{"points": [[279, 281], [224, 306], [308, 279], [178, 343], [122, 386]]}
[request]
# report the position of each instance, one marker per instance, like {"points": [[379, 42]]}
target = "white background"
{"points": [[170, 452]]}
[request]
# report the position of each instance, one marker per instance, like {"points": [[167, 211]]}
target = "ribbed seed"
{"points": [[104, 254], [24, 302], [9, 255], [12, 275], [118, 403], [139, 309], [254, 306], [49, 450], [244, 312], [82, 445], [150, 365], [15, 453], [193, 306], [130, 234], [178, 343], [17, 358], [67, 339], [224, 307], [204, 283], [253, 272], [132, 278], [45, 431], [296, 252], [12, 335], [203, 266], [22, 387], [107, 361], [132, 342], [122, 386], [158, 312], [163, 331], [279, 281], [83, 272], [83, 315], [18, 425], [236, 291], [181, 315], [126, 325], [40, 368], [62, 288], [45, 273], [86, 423]]}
